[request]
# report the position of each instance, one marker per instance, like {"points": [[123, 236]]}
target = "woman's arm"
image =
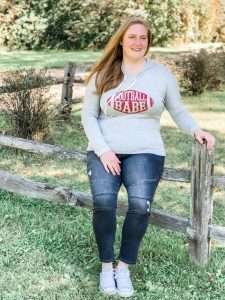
{"points": [[89, 118], [181, 116]]}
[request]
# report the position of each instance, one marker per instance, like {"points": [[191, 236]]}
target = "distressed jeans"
{"points": [[140, 175]]}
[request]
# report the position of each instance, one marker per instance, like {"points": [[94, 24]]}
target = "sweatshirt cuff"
{"points": [[194, 129], [101, 151]]}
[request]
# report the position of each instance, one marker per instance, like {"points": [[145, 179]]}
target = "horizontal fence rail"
{"points": [[78, 77], [54, 81], [64, 195], [169, 174]]}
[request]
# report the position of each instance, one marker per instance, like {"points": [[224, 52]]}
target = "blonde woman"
{"points": [[125, 96]]}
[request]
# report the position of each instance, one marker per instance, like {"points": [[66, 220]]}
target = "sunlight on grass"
{"points": [[11, 60]]}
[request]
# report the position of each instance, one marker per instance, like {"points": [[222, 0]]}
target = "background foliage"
{"points": [[28, 109], [68, 24]]}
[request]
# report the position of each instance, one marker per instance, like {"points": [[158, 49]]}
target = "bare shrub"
{"points": [[26, 104], [204, 71]]}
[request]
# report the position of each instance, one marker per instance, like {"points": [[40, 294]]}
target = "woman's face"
{"points": [[135, 42]]}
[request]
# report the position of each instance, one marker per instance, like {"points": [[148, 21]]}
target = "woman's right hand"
{"points": [[111, 162]]}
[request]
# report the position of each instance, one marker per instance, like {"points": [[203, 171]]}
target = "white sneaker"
{"points": [[107, 283], [123, 283]]}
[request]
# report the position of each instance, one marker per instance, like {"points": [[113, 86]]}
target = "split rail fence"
{"points": [[198, 228], [70, 77]]}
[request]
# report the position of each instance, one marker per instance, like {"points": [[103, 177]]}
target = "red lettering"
{"points": [[126, 107], [135, 106], [118, 105], [142, 105], [130, 101]]}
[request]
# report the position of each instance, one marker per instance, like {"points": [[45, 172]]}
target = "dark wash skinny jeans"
{"points": [[140, 174]]}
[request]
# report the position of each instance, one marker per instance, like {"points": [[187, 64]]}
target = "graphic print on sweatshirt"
{"points": [[130, 102]]}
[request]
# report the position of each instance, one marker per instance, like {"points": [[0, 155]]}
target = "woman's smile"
{"points": [[135, 41]]}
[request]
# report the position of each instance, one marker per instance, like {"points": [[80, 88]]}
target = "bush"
{"points": [[27, 108], [27, 32], [63, 23], [9, 12], [204, 71], [36, 24], [83, 24]]}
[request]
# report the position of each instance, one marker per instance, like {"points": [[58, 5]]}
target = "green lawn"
{"points": [[11, 60], [48, 251]]}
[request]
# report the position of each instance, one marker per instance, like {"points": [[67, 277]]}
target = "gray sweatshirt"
{"points": [[126, 119]]}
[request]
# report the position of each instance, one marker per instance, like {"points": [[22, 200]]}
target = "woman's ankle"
{"points": [[107, 266], [122, 265]]}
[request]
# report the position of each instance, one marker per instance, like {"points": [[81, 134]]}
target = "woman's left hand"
{"points": [[201, 135]]}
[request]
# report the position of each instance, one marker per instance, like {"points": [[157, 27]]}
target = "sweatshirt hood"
{"points": [[130, 79], [147, 65]]}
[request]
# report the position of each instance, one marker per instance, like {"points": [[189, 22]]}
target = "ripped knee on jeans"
{"points": [[140, 206]]}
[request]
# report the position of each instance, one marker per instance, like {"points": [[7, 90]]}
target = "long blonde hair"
{"points": [[108, 68]]}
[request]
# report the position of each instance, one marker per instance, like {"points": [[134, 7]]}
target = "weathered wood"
{"points": [[69, 72], [38, 190], [169, 221], [67, 90], [217, 233], [201, 206], [180, 175], [29, 188], [54, 81], [169, 174], [219, 182], [47, 149], [64, 195], [41, 148], [76, 79]]}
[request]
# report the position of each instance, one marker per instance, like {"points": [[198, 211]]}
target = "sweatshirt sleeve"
{"points": [[176, 108], [89, 118]]}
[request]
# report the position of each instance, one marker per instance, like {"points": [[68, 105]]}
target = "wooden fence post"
{"points": [[67, 90], [202, 204]]}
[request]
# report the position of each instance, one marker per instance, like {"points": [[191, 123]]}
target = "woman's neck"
{"points": [[133, 67]]}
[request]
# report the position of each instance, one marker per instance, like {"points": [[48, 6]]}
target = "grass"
{"points": [[48, 251], [11, 60], [14, 59]]}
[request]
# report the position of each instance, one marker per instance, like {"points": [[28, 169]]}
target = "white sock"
{"points": [[122, 266], [106, 267]]}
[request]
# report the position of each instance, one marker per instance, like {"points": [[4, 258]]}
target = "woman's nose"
{"points": [[138, 42]]}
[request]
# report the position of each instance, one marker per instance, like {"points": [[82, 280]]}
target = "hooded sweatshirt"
{"points": [[126, 119]]}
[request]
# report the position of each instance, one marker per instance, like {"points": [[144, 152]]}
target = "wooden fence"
{"points": [[198, 228], [70, 77]]}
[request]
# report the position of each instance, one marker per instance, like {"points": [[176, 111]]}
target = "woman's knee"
{"points": [[105, 202], [139, 205]]}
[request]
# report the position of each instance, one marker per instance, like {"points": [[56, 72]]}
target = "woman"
{"points": [[125, 97]]}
